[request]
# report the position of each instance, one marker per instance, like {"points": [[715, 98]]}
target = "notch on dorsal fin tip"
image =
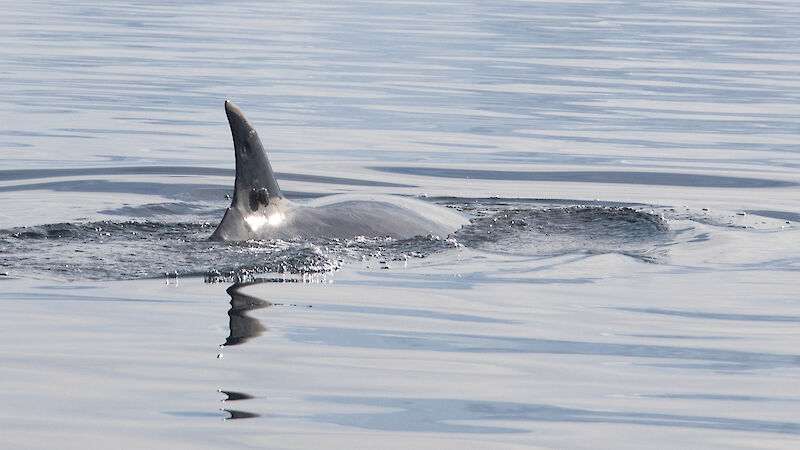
{"points": [[253, 170]]}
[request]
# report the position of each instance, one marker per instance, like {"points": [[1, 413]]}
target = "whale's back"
{"points": [[346, 216], [259, 210]]}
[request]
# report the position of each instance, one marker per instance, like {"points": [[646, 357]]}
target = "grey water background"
{"points": [[630, 278]]}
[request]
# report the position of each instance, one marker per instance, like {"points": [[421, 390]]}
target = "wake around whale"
{"points": [[260, 211]]}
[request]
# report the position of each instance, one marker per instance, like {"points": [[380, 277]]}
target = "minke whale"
{"points": [[260, 211]]}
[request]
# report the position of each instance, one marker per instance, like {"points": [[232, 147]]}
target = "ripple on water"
{"points": [[575, 229], [147, 249]]}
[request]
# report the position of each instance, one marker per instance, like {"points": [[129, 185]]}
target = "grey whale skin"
{"points": [[259, 210]]}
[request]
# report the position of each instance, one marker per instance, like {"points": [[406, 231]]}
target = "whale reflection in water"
{"points": [[242, 329], [242, 326]]}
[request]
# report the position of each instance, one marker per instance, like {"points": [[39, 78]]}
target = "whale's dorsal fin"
{"points": [[253, 171], [255, 185]]}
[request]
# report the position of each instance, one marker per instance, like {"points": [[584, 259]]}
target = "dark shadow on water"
{"points": [[454, 415], [408, 312], [121, 187], [594, 176], [782, 215], [723, 397], [664, 355], [28, 174], [203, 192], [713, 316]]}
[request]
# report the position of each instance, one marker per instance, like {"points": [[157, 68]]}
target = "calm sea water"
{"points": [[630, 278]]}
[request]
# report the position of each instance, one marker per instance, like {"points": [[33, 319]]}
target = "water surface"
{"points": [[631, 269]]}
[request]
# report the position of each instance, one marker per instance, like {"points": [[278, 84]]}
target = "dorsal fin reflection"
{"points": [[242, 326]]}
